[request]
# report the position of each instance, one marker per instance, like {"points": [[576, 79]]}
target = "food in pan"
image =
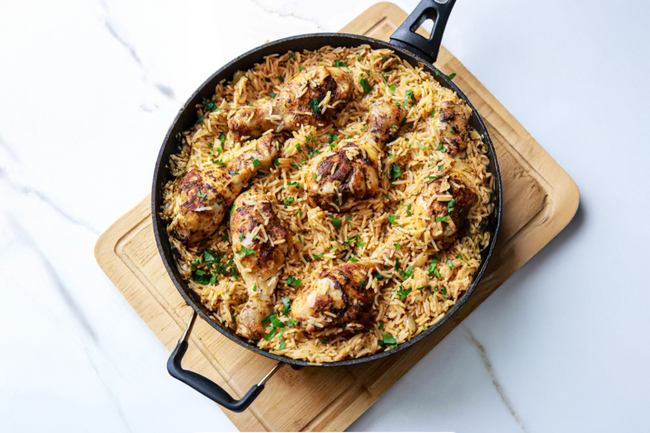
{"points": [[330, 204]]}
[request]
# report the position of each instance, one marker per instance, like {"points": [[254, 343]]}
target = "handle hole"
{"points": [[423, 26]]}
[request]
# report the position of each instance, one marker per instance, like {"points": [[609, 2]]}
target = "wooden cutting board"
{"points": [[539, 200]]}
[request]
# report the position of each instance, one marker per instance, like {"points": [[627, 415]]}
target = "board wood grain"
{"points": [[539, 200]]}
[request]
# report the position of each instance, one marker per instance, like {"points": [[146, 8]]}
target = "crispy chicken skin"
{"points": [[260, 243], [340, 291], [452, 214], [353, 170], [384, 120], [202, 196], [454, 125], [292, 103]]}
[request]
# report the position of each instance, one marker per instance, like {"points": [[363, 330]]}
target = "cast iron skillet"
{"points": [[406, 44]]}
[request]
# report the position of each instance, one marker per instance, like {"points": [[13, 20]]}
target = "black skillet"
{"points": [[410, 47]]}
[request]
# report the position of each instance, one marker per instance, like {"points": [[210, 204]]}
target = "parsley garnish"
{"points": [[433, 268], [366, 85], [273, 95], [392, 89], [395, 171], [397, 246], [450, 264], [256, 162], [392, 220], [301, 68], [401, 293], [409, 98], [294, 282], [339, 63], [313, 104], [388, 340], [442, 218], [289, 200], [280, 77], [276, 161], [199, 120], [336, 222], [222, 138], [451, 76], [287, 305]]}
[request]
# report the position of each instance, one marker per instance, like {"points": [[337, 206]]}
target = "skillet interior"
{"points": [[186, 118]]}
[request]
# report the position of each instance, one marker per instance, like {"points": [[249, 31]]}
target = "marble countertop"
{"points": [[87, 92]]}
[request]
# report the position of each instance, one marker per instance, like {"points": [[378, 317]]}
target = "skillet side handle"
{"points": [[204, 385], [405, 36]]}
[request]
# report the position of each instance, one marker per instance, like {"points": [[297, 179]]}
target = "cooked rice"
{"points": [[318, 245]]}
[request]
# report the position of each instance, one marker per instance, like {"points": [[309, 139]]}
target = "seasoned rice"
{"points": [[427, 280]]}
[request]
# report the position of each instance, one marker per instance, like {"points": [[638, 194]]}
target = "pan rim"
{"points": [[169, 141]]}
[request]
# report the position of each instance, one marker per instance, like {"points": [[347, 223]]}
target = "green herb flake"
{"points": [[392, 219], [256, 162], [365, 85], [313, 104], [451, 76], [396, 245], [201, 194], [276, 162], [388, 340], [273, 95], [409, 98], [450, 264], [402, 294], [442, 218], [286, 301], [433, 268], [301, 68], [336, 222], [294, 281], [199, 120], [392, 89], [298, 147], [395, 171], [222, 138], [339, 63]]}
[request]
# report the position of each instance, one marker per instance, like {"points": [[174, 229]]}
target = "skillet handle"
{"points": [[405, 36], [204, 385]]}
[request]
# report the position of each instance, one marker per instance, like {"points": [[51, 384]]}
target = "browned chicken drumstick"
{"points": [[445, 202], [454, 125], [201, 197], [340, 296], [260, 243], [353, 170], [309, 98]]}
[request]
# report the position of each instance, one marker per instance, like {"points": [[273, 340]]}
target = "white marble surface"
{"points": [[87, 91]]}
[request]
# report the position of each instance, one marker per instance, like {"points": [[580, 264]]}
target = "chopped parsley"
{"points": [[395, 171], [201, 194], [222, 138], [273, 95], [280, 77], [233, 173], [388, 340], [358, 57], [289, 200], [339, 63], [294, 281], [319, 256], [276, 162], [433, 268], [245, 252], [433, 112], [409, 98], [459, 256], [313, 104], [408, 273], [442, 218], [365, 85], [451, 76], [392, 89], [450, 264], [392, 219], [401, 293], [336, 222], [301, 68], [256, 162], [396, 245], [287, 305], [199, 120], [298, 147], [210, 105]]}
